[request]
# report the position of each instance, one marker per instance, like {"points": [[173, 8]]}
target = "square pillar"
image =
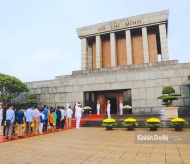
{"points": [[98, 52], [89, 56], [84, 55], [129, 48], [113, 50], [163, 42], [145, 45]]}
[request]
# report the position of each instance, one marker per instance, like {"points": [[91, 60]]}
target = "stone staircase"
{"points": [[140, 118]]}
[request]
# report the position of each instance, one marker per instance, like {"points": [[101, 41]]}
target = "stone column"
{"points": [[113, 50], [129, 48], [98, 52], [145, 45], [89, 56], [163, 42], [84, 55]]}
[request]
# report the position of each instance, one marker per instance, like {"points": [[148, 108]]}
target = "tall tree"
{"points": [[10, 88]]}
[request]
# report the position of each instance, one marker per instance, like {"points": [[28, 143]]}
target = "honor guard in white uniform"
{"points": [[67, 105], [78, 115], [108, 109], [121, 108], [98, 108]]}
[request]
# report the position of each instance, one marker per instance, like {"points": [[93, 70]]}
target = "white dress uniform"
{"points": [[78, 115], [108, 109], [98, 108], [121, 108]]}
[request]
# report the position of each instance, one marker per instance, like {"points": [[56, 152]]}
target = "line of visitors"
{"points": [[37, 120]]}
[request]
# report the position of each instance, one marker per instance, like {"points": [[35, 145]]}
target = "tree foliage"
{"points": [[31, 99], [168, 96], [188, 77], [10, 88]]}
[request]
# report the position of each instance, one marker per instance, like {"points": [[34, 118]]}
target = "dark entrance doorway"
{"points": [[115, 96], [113, 102]]}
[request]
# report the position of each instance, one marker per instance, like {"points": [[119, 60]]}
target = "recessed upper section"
{"points": [[124, 23]]}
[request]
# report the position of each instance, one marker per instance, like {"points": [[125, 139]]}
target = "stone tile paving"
{"points": [[94, 146]]}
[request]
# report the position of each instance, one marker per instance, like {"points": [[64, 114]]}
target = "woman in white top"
{"points": [[69, 113]]}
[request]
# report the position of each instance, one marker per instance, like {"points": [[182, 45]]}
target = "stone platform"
{"points": [[94, 146]]}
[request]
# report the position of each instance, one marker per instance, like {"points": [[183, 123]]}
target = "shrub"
{"points": [[168, 96]]}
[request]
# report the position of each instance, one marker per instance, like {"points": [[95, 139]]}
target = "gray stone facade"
{"points": [[146, 82]]}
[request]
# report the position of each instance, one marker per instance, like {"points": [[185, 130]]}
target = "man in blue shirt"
{"points": [[46, 113], [29, 119], [20, 121], [58, 121], [10, 118]]}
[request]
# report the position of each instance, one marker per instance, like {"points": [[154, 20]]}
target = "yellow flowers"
{"points": [[153, 120], [178, 120], [108, 120], [130, 120], [32, 125]]}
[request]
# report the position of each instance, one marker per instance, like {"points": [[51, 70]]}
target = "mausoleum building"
{"points": [[121, 60]]}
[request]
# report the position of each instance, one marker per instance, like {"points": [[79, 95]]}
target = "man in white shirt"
{"points": [[108, 109], [121, 108], [69, 113], [98, 108], [78, 115], [29, 119]]}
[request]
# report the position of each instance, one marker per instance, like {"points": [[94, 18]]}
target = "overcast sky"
{"points": [[38, 38]]}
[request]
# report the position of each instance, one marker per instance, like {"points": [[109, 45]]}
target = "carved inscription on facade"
{"points": [[118, 24]]}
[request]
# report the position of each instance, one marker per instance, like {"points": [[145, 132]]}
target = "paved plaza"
{"points": [[92, 146]]}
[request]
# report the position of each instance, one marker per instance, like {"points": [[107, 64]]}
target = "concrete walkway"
{"points": [[95, 146]]}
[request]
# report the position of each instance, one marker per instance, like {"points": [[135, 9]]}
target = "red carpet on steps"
{"points": [[94, 117]]}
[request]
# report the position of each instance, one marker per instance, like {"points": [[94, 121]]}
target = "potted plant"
{"points": [[128, 109], [178, 123], [109, 123], [130, 123], [168, 95], [87, 109], [153, 123]]}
